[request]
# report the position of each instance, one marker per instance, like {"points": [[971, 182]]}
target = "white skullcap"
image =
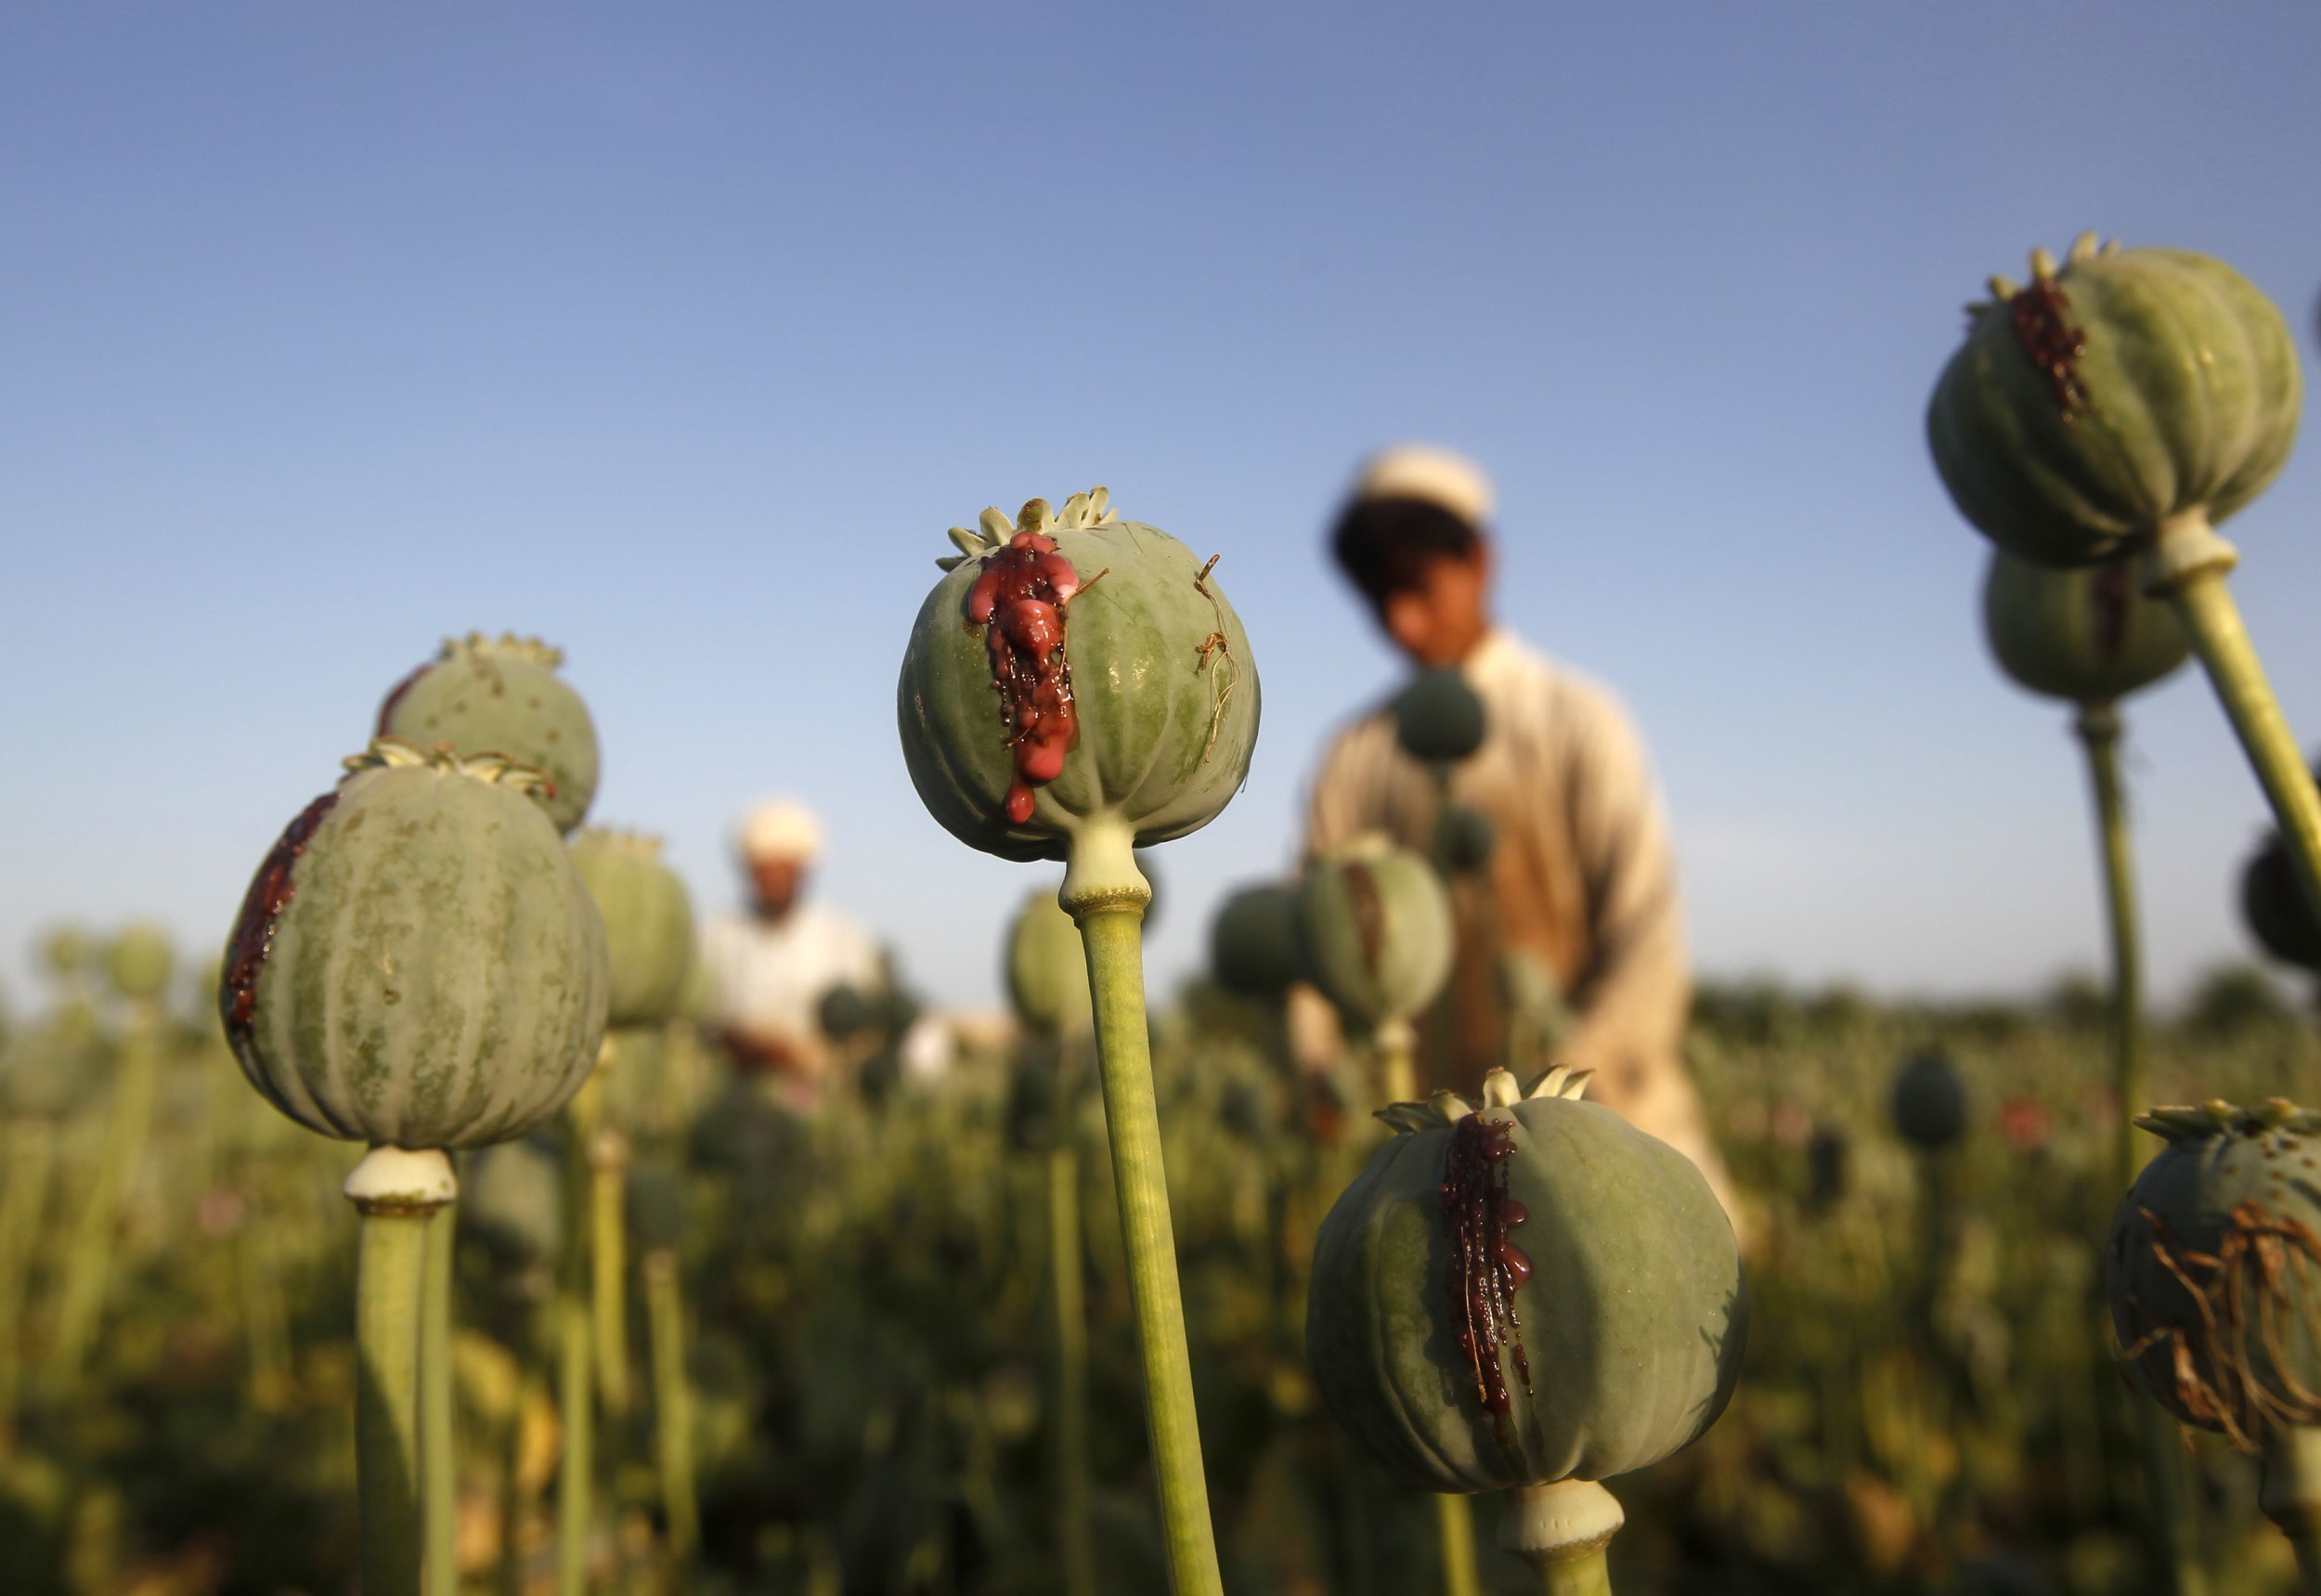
{"points": [[1436, 476], [779, 828]]}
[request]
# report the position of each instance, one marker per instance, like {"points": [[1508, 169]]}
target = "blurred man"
{"points": [[770, 968], [1580, 879]]}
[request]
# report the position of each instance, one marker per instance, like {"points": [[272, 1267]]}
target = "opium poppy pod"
{"points": [[2213, 1267], [502, 696], [1047, 976], [1524, 1290], [2090, 634], [648, 922], [1254, 947], [417, 963], [1075, 675], [1376, 926], [2124, 389]]}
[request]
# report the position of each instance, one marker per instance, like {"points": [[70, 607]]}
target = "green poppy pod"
{"points": [[2213, 1267], [1047, 970], [2128, 388], [417, 961], [1376, 926], [1439, 718], [511, 1199], [648, 923], [2090, 634], [1468, 839], [1524, 1291], [1254, 945], [502, 696], [66, 953], [2274, 908], [847, 1012], [140, 961], [1074, 671], [1929, 1101]]}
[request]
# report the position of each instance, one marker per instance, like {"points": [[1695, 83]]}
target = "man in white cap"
{"points": [[1580, 876], [769, 968]]}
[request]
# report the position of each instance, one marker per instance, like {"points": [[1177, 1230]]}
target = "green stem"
{"points": [[2167, 1521], [2188, 563], [575, 1376], [1071, 1371], [1564, 1530], [1398, 1043], [672, 1406], [1454, 1532], [96, 1238], [1105, 893], [2290, 1496], [395, 1192], [31, 1159], [2098, 728], [511, 1494], [439, 1471], [608, 1266]]}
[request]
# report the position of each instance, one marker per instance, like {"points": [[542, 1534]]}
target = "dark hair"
{"points": [[1385, 545]]}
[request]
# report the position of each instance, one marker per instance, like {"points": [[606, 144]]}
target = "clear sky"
{"points": [[678, 334]]}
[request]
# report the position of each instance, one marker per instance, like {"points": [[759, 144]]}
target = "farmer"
{"points": [[769, 968], [1581, 879]]}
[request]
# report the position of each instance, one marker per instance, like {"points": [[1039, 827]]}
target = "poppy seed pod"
{"points": [[417, 963], [2126, 388], [1376, 926], [1253, 944], [1929, 1102], [1523, 1292], [502, 696], [1439, 718], [2090, 635], [1047, 976], [648, 922], [2213, 1267], [1074, 671]]}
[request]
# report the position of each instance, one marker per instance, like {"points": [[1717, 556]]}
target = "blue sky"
{"points": [[677, 335]]}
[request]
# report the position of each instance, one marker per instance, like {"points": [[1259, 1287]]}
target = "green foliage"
{"points": [[866, 1293]]}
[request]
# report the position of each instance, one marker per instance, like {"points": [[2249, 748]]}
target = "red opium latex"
{"points": [[1019, 600]]}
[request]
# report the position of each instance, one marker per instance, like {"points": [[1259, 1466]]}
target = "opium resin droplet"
{"points": [[1019, 598], [1487, 1269]]}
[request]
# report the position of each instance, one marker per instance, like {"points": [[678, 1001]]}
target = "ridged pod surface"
{"points": [[648, 923], [2213, 1267], [2275, 907], [140, 961], [1162, 686], [1438, 717], [1376, 926], [2128, 387], [1047, 970], [502, 696], [1631, 1313], [417, 961], [2090, 634], [1254, 946], [1929, 1101]]}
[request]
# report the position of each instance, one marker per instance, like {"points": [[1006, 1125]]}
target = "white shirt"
{"points": [[767, 977]]}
